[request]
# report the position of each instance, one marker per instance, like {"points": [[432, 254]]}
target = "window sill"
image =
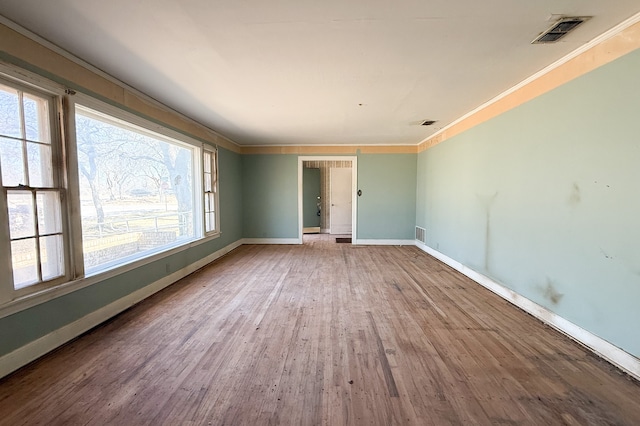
{"points": [[46, 294]]}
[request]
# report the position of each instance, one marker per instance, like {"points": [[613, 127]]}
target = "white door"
{"points": [[340, 193]]}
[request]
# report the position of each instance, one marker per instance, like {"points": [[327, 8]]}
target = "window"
{"points": [[140, 189], [137, 190], [32, 193], [210, 174]]}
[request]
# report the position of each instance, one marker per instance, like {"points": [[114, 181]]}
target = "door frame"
{"points": [[354, 189]]}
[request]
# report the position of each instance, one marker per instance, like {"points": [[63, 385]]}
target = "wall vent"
{"points": [[421, 234], [559, 29], [428, 122]]}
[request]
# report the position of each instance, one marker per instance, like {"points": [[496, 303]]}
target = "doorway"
{"points": [[345, 182]]}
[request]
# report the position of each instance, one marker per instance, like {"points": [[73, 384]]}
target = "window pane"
{"points": [[40, 164], [207, 182], [211, 221], [52, 257], [49, 215], [24, 263], [11, 162], [36, 118], [27, 149], [136, 191], [21, 214], [209, 177], [9, 112], [207, 162]]}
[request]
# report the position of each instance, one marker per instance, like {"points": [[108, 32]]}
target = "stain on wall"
{"points": [[575, 197], [568, 203], [550, 292], [487, 202]]}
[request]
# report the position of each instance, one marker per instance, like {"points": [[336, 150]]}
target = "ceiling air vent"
{"points": [[428, 122], [559, 29]]}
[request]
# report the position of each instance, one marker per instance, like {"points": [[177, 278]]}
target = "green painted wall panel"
{"points": [[310, 194], [545, 199], [26, 326], [387, 207], [270, 196]]}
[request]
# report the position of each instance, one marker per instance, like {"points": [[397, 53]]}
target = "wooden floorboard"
{"points": [[321, 334]]}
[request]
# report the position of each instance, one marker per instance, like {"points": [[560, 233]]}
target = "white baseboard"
{"points": [[270, 241], [33, 350], [618, 357], [364, 242]]}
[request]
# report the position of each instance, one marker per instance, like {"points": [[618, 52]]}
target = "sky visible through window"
{"points": [[32, 196]]}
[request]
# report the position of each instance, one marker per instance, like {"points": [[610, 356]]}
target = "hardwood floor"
{"points": [[323, 333]]}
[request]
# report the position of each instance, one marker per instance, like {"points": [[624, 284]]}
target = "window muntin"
{"points": [[31, 189], [210, 176], [136, 190], [41, 246]]}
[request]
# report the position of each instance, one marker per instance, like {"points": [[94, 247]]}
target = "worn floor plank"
{"points": [[323, 333]]}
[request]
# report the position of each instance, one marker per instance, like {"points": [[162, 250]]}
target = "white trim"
{"points": [[46, 293], [213, 152], [580, 50], [47, 93], [34, 296], [271, 241], [618, 357], [31, 79], [335, 145], [365, 242], [354, 189], [116, 116], [35, 349], [50, 293]]}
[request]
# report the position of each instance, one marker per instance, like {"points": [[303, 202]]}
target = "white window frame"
{"points": [[133, 122], [53, 96], [215, 189], [63, 109]]}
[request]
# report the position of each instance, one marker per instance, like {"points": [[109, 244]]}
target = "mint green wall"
{"points": [[387, 207], [270, 196], [258, 199], [545, 199], [310, 194], [23, 327]]}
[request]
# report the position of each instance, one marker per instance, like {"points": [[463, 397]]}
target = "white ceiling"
{"points": [[316, 72]]}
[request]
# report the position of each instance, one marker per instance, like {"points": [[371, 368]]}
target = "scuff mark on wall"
{"points": [[575, 196], [550, 292], [605, 254], [487, 203]]}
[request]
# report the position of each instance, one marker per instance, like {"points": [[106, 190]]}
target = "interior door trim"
{"points": [[354, 190]]}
